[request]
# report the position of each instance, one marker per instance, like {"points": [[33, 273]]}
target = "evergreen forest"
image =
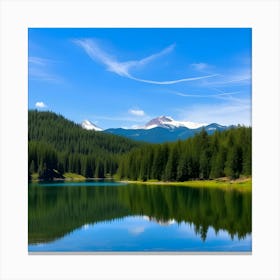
{"points": [[57, 146]]}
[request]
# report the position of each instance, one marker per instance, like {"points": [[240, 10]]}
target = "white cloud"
{"points": [[40, 104], [137, 230], [136, 112], [123, 69]]}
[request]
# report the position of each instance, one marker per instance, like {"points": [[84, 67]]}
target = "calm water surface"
{"points": [[114, 217]]}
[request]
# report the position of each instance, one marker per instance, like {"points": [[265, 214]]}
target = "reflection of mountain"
{"points": [[55, 211], [162, 222]]}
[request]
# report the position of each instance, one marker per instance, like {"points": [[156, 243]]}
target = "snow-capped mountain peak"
{"points": [[88, 125], [161, 121], [168, 122], [191, 125]]}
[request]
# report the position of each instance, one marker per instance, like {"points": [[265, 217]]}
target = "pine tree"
{"points": [[32, 167], [218, 164], [171, 165]]}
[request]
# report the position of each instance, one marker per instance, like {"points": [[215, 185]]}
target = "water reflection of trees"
{"points": [[55, 211], [228, 210]]}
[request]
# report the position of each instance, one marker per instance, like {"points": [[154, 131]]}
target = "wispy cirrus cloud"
{"points": [[220, 95], [237, 77], [200, 66], [222, 113], [37, 60], [40, 69], [123, 69], [122, 117]]}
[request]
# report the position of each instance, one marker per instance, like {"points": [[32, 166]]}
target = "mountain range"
{"points": [[160, 129]]}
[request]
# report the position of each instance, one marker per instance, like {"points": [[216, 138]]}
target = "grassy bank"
{"points": [[73, 177], [67, 177], [244, 184], [241, 184]]}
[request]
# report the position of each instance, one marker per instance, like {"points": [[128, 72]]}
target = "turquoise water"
{"points": [[99, 183], [114, 217]]}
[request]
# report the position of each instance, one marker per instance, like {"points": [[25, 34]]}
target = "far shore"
{"points": [[241, 184]]}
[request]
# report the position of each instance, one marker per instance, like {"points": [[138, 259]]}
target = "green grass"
{"points": [[73, 176], [67, 176], [244, 185], [35, 176]]}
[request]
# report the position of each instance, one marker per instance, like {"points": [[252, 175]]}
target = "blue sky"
{"points": [[123, 77]]}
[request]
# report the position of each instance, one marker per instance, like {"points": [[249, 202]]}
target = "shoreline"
{"points": [[240, 184], [244, 185]]}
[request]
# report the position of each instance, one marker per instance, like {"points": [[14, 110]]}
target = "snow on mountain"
{"points": [[165, 129], [215, 126], [88, 125], [191, 125], [168, 122]]}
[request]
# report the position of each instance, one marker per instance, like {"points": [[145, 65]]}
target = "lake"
{"points": [[107, 216]]}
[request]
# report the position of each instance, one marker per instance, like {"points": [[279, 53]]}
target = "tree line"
{"points": [[203, 156], [57, 145]]}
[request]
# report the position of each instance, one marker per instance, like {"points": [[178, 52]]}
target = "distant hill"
{"points": [[66, 135], [159, 134], [57, 145]]}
